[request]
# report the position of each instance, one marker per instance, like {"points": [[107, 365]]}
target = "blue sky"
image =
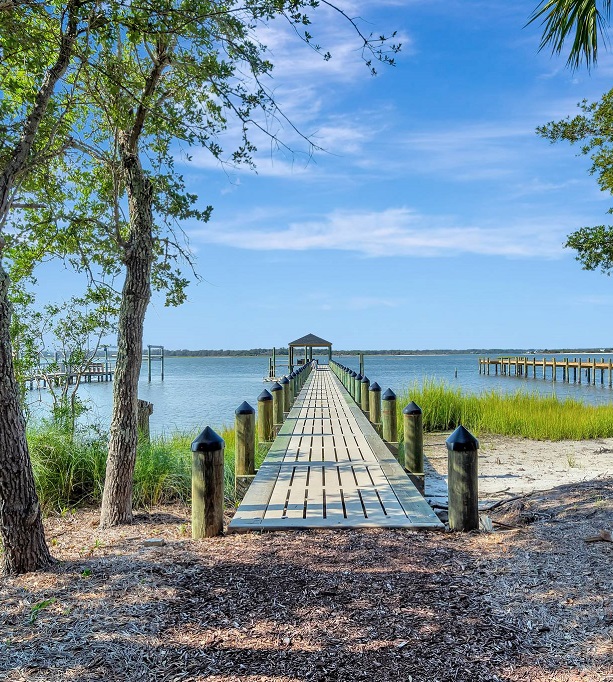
{"points": [[436, 216]]}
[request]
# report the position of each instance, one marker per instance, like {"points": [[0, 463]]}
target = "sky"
{"points": [[430, 216]]}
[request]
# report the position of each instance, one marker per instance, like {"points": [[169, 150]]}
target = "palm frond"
{"points": [[583, 21]]}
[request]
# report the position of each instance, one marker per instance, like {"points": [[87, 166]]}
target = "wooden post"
{"points": [[463, 482], [364, 397], [579, 372], [265, 418], [390, 423], [286, 401], [374, 405], [553, 369], [244, 425], [352, 382], [162, 361], [413, 439], [358, 390], [149, 362], [145, 409], [362, 364], [277, 404], [207, 485], [610, 376]]}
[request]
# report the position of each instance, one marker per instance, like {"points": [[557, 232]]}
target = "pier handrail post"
{"points": [[244, 454], [365, 398], [463, 481], [412, 419], [207, 484], [358, 390], [352, 381], [265, 418], [389, 418], [277, 404], [292, 388], [286, 389], [374, 405]]}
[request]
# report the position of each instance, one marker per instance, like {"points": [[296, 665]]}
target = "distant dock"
{"points": [[98, 371], [102, 369], [575, 370]]}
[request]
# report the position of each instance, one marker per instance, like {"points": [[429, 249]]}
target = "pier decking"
{"points": [[328, 468]]}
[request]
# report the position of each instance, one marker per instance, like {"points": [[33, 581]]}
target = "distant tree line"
{"points": [[267, 352]]}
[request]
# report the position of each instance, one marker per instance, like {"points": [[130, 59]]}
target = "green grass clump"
{"points": [[528, 415], [69, 469]]}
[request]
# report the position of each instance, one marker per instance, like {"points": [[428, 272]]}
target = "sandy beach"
{"points": [[515, 466]]}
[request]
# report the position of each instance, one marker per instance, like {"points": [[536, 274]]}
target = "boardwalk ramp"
{"points": [[328, 468]]}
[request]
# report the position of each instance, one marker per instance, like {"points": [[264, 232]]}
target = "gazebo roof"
{"points": [[311, 340]]}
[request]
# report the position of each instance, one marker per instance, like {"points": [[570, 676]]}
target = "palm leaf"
{"points": [[583, 21]]}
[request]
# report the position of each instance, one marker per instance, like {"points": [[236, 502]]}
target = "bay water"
{"points": [[199, 392]]}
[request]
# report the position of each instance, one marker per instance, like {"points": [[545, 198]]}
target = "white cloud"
{"points": [[592, 300], [394, 232]]}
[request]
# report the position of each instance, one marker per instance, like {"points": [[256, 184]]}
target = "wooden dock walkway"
{"points": [[558, 368], [328, 468]]}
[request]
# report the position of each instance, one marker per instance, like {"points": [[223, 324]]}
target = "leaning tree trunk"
{"points": [[21, 525], [117, 496]]}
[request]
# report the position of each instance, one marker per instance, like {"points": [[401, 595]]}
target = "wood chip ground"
{"points": [[533, 602]]}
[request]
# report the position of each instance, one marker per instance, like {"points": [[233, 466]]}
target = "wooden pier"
{"points": [[328, 468], [96, 372], [576, 370]]}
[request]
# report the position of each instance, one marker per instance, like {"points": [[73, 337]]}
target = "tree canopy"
{"points": [[592, 130]]}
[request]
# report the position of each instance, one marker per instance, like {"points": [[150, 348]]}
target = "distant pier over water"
{"points": [[575, 370]]}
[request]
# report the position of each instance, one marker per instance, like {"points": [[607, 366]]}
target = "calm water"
{"points": [[197, 392]]}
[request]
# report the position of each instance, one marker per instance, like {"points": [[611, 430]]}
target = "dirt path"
{"points": [[533, 602]]}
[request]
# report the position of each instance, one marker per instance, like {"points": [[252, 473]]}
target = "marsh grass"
{"points": [[69, 470], [521, 414]]}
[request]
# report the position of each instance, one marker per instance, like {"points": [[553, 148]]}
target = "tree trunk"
{"points": [[117, 496], [21, 525]]}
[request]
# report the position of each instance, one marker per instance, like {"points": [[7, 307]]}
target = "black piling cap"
{"points": [[285, 380], [264, 396], [388, 395], [365, 380], [244, 408], [276, 387], [208, 441], [359, 377], [462, 440], [412, 408], [375, 387], [353, 374]]}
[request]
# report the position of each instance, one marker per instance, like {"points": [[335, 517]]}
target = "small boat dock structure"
{"points": [[100, 369], [307, 342], [589, 370], [328, 468]]}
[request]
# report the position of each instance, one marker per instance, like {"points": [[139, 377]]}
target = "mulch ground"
{"points": [[531, 602]]}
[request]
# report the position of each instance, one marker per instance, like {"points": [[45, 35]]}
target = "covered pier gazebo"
{"points": [[307, 342]]}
